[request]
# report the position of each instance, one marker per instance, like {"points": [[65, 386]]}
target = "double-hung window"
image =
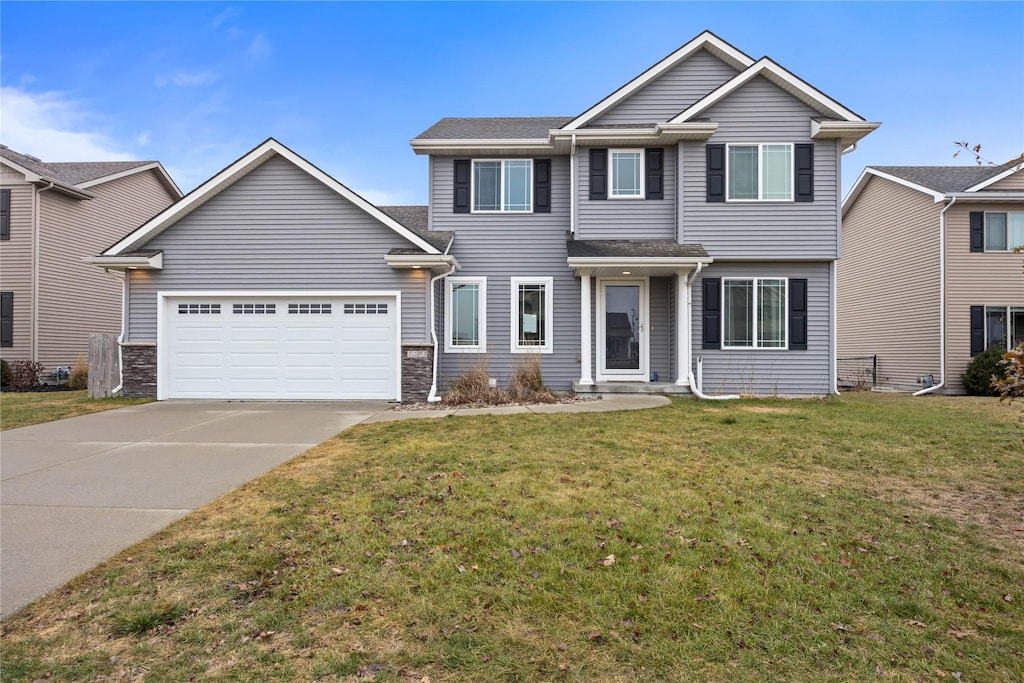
{"points": [[760, 172], [754, 313], [465, 315], [1004, 326], [503, 186], [627, 173], [532, 306], [1004, 231]]}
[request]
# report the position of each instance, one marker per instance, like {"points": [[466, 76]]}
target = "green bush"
{"points": [[5, 373], [982, 368]]}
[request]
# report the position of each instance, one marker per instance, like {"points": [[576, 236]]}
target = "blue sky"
{"points": [[196, 85]]}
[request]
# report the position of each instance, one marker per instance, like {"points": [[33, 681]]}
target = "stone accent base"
{"points": [[139, 370], [417, 371]]}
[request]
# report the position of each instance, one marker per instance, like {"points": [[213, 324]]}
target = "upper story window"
{"points": [[760, 172], [754, 313], [532, 315], [503, 185], [627, 173], [1004, 231], [5, 214], [465, 315]]}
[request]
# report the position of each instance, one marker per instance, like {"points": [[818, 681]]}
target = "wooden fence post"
{"points": [[104, 372]]}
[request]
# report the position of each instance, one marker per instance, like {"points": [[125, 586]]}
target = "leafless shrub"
{"points": [[473, 385], [527, 382], [25, 374], [79, 377]]}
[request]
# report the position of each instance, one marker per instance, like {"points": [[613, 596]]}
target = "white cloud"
{"points": [[188, 79], [50, 126], [260, 47]]}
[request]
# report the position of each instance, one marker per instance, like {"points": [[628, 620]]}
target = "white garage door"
{"points": [[259, 347]]}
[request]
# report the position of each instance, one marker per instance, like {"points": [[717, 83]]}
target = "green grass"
{"points": [[24, 409], [865, 537]]}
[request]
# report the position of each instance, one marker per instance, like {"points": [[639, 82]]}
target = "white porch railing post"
{"points": [[683, 331], [586, 365]]}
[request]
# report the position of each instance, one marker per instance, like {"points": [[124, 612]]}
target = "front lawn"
{"points": [[868, 537], [29, 408]]}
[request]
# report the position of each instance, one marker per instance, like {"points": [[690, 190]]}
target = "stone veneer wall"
{"points": [[139, 373], [417, 371]]}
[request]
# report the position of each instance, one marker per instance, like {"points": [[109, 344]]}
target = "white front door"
{"points": [[622, 339]]}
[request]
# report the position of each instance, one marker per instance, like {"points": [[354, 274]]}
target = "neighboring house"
{"points": [[928, 278], [53, 216], [691, 214]]}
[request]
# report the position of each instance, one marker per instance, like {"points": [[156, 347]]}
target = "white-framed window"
{"points": [[1004, 326], [465, 315], [532, 314], [502, 185], [762, 172], [627, 166], [1004, 231], [754, 313]]}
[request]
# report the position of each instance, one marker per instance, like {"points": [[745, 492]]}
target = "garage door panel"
{"points": [[283, 348]]}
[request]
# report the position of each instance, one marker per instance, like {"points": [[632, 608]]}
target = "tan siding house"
{"points": [[898, 300], [60, 214]]}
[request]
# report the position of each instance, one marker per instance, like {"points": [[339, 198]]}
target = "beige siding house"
{"points": [[927, 277], [54, 216]]}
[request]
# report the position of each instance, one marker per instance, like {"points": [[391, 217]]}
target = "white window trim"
{"points": [[549, 308], [448, 284], [984, 235], [785, 314], [760, 188], [611, 174], [501, 184]]}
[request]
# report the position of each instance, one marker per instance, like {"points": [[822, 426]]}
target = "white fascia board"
{"points": [[986, 197], [594, 262], [233, 172], [154, 262], [1019, 168], [30, 176], [414, 261], [855, 191], [847, 132], [713, 43], [154, 166], [780, 77], [659, 133], [459, 146]]}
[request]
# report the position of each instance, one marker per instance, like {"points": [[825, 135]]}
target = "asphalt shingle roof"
{"points": [[415, 218], [943, 179], [633, 248], [494, 128], [69, 172]]}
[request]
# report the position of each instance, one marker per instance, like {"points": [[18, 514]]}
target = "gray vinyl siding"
{"points": [[500, 247], [887, 283], [760, 112], [672, 92], [662, 328], [626, 219], [1011, 183], [277, 228], [16, 266], [77, 299], [768, 372]]}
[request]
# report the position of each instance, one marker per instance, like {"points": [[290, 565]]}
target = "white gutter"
{"points": [[124, 323], [572, 185], [34, 340], [432, 397], [696, 390], [942, 303]]}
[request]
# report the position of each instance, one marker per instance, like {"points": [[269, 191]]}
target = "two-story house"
{"points": [[928, 277], [52, 216], [684, 229]]}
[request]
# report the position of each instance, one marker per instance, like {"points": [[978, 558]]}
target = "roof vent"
{"points": [[36, 159]]}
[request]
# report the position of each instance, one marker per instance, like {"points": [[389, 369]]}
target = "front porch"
{"points": [[632, 388]]}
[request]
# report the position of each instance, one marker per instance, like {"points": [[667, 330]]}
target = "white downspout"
{"points": [[123, 276], [696, 390], [942, 303], [572, 186], [432, 397], [36, 230]]}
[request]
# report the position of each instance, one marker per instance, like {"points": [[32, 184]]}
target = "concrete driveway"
{"points": [[76, 491]]}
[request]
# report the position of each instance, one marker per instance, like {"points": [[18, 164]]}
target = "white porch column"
{"points": [[586, 364], [683, 329]]}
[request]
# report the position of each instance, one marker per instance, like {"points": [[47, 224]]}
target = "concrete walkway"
{"points": [[75, 492]]}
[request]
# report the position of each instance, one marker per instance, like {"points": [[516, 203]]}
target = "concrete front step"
{"points": [[631, 388]]}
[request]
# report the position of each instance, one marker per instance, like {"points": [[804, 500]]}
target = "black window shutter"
{"points": [[712, 312], [599, 174], [5, 214], [654, 160], [542, 185], [978, 232], [804, 172], [716, 173], [977, 329], [6, 319], [460, 203], [798, 314]]}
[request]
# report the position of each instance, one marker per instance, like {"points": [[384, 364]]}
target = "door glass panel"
{"points": [[622, 327]]}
